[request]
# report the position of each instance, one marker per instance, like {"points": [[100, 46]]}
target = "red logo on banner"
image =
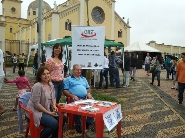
{"points": [[88, 36]]}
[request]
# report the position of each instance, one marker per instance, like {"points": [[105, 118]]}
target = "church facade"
{"points": [[18, 33]]}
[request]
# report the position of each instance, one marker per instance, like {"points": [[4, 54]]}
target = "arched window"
{"points": [[69, 26], [34, 12], [49, 37], [66, 25], [120, 33]]}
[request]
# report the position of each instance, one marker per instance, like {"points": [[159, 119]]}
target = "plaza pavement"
{"points": [[149, 111]]}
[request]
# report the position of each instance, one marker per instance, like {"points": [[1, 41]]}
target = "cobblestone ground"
{"points": [[149, 111]]}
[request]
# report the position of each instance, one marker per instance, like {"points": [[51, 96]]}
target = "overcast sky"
{"points": [[159, 20]]}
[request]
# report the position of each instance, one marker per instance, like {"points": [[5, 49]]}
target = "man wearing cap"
{"points": [[2, 75], [114, 61]]}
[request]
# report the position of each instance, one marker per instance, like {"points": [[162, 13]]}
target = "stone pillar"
{"points": [[113, 19], [30, 39], [55, 25], [81, 13], [171, 49], [128, 36], [2, 35]]}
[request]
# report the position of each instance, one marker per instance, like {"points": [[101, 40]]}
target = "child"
{"points": [[173, 69], [21, 83]]}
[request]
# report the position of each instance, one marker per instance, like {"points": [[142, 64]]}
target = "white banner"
{"points": [[88, 46], [112, 117]]}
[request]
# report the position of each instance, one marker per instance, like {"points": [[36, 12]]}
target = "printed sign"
{"points": [[112, 117], [110, 120], [117, 113], [88, 46]]}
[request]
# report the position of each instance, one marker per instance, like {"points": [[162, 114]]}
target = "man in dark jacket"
{"points": [[126, 70], [133, 67]]}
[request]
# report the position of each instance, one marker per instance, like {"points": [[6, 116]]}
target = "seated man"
{"points": [[76, 87]]}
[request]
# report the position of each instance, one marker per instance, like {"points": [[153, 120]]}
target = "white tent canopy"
{"points": [[140, 47]]}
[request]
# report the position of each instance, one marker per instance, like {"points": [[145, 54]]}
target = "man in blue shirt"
{"points": [[76, 87]]}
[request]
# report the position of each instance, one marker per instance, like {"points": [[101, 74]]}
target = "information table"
{"points": [[98, 116]]}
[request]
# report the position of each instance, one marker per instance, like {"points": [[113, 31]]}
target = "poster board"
{"points": [[88, 46]]}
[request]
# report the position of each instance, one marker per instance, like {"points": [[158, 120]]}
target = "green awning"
{"points": [[68, 41]]}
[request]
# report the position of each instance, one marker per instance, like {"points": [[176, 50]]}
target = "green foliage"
{"points": [[99, 96], [10, 64]]}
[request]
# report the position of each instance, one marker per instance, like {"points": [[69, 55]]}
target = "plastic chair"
{"points": [[34, 131]]}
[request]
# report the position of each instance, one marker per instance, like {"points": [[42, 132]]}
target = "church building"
{"points": [[17, 33]]}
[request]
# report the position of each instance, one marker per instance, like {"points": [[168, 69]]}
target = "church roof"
{"points": [[35, 4]]}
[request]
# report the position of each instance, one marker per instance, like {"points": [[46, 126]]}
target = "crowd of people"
{"points": [[50, 84]]}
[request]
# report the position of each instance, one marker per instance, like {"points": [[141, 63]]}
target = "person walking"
{"points": [[133, 63], [2, 75], [126, 70], [173, 68], [56, 68], [114, 61], [14, 60], [21, 61], [167, 66], [147, 64], [157, 70], [180, 73], [104, 72]]}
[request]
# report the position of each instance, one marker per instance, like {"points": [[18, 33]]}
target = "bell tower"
{"points": [[11, 8]]}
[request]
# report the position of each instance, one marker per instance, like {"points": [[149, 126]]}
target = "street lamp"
{"points": [[20, 41]]}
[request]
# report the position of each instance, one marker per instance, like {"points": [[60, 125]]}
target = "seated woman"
{"points": [[43, 104]]}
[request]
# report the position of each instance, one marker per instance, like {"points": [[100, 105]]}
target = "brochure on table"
{"points": [[112, 117]]}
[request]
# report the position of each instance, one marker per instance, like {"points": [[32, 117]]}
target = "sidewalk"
{"points": [[149, 111]]}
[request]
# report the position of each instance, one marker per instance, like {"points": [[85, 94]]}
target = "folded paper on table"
{"points": [[88, 101]]}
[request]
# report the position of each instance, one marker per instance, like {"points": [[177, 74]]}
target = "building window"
{"points": [[120, 34], [49, 37], [34, 12], [66, 25], [11, 30], [69, 26], [28, 13]]}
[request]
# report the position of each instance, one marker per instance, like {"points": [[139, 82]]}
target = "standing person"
{"points": [[42, 103], [173, 68], [56, 68], [21, 61], [133, 63], [43, 58], [104, 72], [147, 64], [167, 66], [157, 71], [180, 73], [114, 61], [2, 75], [35, 63], [21, 83], [126, 70], [14, 59]]}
